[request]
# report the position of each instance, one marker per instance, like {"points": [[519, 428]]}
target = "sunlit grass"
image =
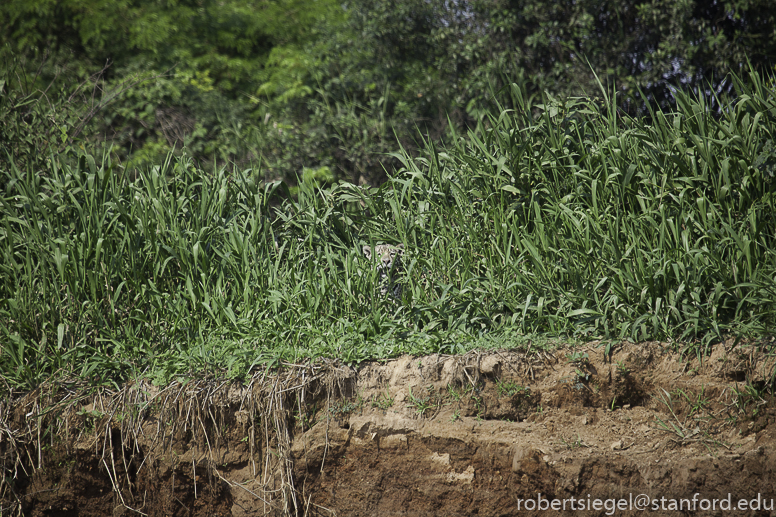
{"points": [[562, 219]]}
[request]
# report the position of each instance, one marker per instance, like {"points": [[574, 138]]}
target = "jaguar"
{"points": [[387, 258]]}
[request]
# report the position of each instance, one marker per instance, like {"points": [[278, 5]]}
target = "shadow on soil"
{"points": [[489, 433]]}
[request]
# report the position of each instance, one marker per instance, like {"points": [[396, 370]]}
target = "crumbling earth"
{"points": [[488, 433]]}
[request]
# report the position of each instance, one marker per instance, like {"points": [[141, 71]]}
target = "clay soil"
{"points": [[489, 433]]}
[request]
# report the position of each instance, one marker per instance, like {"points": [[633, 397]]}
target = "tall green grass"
{"points": [[568, 217], [564, 218]]}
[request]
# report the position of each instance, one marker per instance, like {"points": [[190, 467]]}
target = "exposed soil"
{"points": [[481, 434]]}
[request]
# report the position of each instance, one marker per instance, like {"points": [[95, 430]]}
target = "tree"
{"points": [[652, 46]]}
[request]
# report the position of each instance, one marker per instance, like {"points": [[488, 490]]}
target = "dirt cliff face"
{"points": [[492, 433]]}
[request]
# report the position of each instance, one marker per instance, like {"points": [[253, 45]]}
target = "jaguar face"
{"points": [[386, 255], [387, 259]]}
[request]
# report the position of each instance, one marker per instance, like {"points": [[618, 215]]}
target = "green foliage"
{"points": [[511, 389], [644, 49], [578, 358], [383, 401], [296, 84], [580, 219], [399, 68], [420, 404], [191, 65], [31, 128], [561, 218], [229, 41]]}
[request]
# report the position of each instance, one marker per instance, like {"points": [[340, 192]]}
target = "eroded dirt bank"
{"points": [[481, 434]]}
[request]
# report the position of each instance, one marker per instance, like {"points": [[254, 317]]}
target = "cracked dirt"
{"points": [[481, 434]]}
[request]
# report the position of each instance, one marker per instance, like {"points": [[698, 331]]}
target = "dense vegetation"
{"points": [[180, 212], [562, 218], [326, 87]]}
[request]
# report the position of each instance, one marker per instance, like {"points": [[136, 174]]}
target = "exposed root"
{"points": [[186, 423]]}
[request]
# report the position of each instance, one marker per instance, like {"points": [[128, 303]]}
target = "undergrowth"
{"points": [[565, 218]]}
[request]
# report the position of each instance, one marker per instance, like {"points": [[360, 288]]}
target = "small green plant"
{"points": [[457, 392], [696, 403], [578, 358], [581, 361], [421, 405], [383, 401], [345, 407], [91, 417], [694, 426], [576, 444], [608, 348], [511, 389], [582, 376], [749, 400], [454, 392], [479, 406], [456, 416]]}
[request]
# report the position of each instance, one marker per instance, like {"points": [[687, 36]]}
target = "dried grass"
{"points": [[187, 421]]}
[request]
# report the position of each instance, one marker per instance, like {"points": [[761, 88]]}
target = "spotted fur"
{"points": [[388, 260]]}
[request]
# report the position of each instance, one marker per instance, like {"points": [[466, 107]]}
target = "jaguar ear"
{"points": [[367, 251], [400, 246]]}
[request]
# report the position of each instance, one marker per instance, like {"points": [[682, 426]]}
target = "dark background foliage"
{"points": [[330, 89]]}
